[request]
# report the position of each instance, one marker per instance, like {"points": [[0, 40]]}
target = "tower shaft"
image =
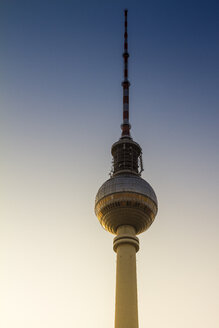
{"points": [[126, 309]]}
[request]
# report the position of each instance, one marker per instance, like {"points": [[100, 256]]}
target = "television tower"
{"points": [[126, 206]]}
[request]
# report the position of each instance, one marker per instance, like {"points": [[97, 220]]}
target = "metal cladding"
{"points": [[126, 200], [124, 183], [126, 126]]}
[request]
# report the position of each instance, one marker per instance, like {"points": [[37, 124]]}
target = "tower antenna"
{"points": [[125, 84]]}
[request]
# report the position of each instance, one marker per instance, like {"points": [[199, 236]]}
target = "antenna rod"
{"points": [[125, 84]]}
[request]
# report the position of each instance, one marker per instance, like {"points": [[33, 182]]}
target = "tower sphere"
{"points": [[126, 199]]}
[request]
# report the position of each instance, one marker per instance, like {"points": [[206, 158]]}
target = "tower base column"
{"points": [[126, 244]]}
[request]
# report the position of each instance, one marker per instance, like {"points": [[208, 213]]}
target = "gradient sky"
{"points": [[61, 109]]}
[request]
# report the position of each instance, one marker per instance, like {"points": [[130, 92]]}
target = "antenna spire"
{"points": [[125, 84]]}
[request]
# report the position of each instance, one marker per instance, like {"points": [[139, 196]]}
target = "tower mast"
{"points": [[125, 84]]}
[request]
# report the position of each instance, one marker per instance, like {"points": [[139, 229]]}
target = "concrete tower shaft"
{"points": [[126, 311]]}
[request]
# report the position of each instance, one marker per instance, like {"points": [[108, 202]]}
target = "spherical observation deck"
{"points": [[126, 199]]}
